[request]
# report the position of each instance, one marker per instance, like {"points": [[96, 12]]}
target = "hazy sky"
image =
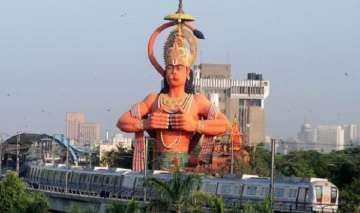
{"points": [[90, 56]]}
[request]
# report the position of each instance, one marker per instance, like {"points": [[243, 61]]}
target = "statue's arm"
{"points": [[212, 127], [129, 123]]}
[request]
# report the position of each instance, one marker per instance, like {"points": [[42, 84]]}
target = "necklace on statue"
{"points": [[171, 106]]}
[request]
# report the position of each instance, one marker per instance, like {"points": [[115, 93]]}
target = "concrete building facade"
{"points": [[307, 137], [80, 132], [350, 134], [89, 134], [73, 121], [330, 138], [237, 99]]}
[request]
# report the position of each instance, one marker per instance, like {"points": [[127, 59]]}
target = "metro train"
{"points": [[291, 194]]}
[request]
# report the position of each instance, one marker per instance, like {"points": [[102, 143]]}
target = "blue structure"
{"points": [[73, 150], [26, 140]]}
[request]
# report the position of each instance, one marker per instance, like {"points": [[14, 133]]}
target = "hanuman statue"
{"points": [[175, 117]]}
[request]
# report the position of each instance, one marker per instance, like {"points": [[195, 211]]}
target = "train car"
{"points": [[291, 194], [229, 188]]}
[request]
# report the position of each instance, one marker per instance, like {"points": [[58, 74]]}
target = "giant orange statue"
{"points": [[176, 117]]}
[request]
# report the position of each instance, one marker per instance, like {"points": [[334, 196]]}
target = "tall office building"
{"points": [[350, 134], [89, 134], [240, 99], [330, 138], [307, 137], [73, 121]]}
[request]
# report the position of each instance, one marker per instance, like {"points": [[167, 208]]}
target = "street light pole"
{"points": [[272, 184], [232, 156], [67, 163], [145, 162], [52, 151], [18, 154], [1, 141]]}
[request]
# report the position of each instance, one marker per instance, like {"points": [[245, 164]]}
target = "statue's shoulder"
{"points": [[152, 95], [151, 98], [200, 98]]}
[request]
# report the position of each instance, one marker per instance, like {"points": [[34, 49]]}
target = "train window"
{"points": [[71, 176], [118, 181], [51, 174], [37, 172], [210, 188], [318, 191], [139, 183], [63, 175], [264, 191], [333, 194], [292, 193], [113, 180], [95, 178], [100, 179], [128, 181], [46, 174], [107, 180], [251, 190], [236, 189], [82, 178], [279, 192], [225, 189]]}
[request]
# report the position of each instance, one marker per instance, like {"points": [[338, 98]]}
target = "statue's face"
{"points": [[176, 75]]}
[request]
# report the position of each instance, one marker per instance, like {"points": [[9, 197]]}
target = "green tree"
{"points": [[218, 204], [132, 207], [75, 209], [119, 157], [15, 198], [262, 207], [179, 194], [260, 160], [38, 204]]}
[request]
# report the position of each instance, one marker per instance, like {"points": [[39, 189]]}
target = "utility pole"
{"points": [[18, 154], [145, 162], [90, 158], [67, 153], [1, 141], [232, 156], [272, 184], [52, 151], [67, 163]]}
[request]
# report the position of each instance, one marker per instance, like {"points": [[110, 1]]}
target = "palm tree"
{"points": [[131, 207], [179, 194], [217, 203]]}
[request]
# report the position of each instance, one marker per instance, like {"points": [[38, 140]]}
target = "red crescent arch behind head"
{"points": [[152, 41]]}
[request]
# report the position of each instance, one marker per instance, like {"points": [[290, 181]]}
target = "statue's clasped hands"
{"points": [[177, 121]]}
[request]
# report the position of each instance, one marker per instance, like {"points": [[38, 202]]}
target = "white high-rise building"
{"points": [[89, 134], [73, 121], [237, 99], [330, 138], [307, 137], [350, 134], [122, 141]]}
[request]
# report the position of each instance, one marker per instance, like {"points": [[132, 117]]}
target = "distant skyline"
{"points": [[90, 56]]}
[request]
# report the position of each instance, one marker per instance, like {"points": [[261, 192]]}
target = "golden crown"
{"points": [[180, 49]]}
